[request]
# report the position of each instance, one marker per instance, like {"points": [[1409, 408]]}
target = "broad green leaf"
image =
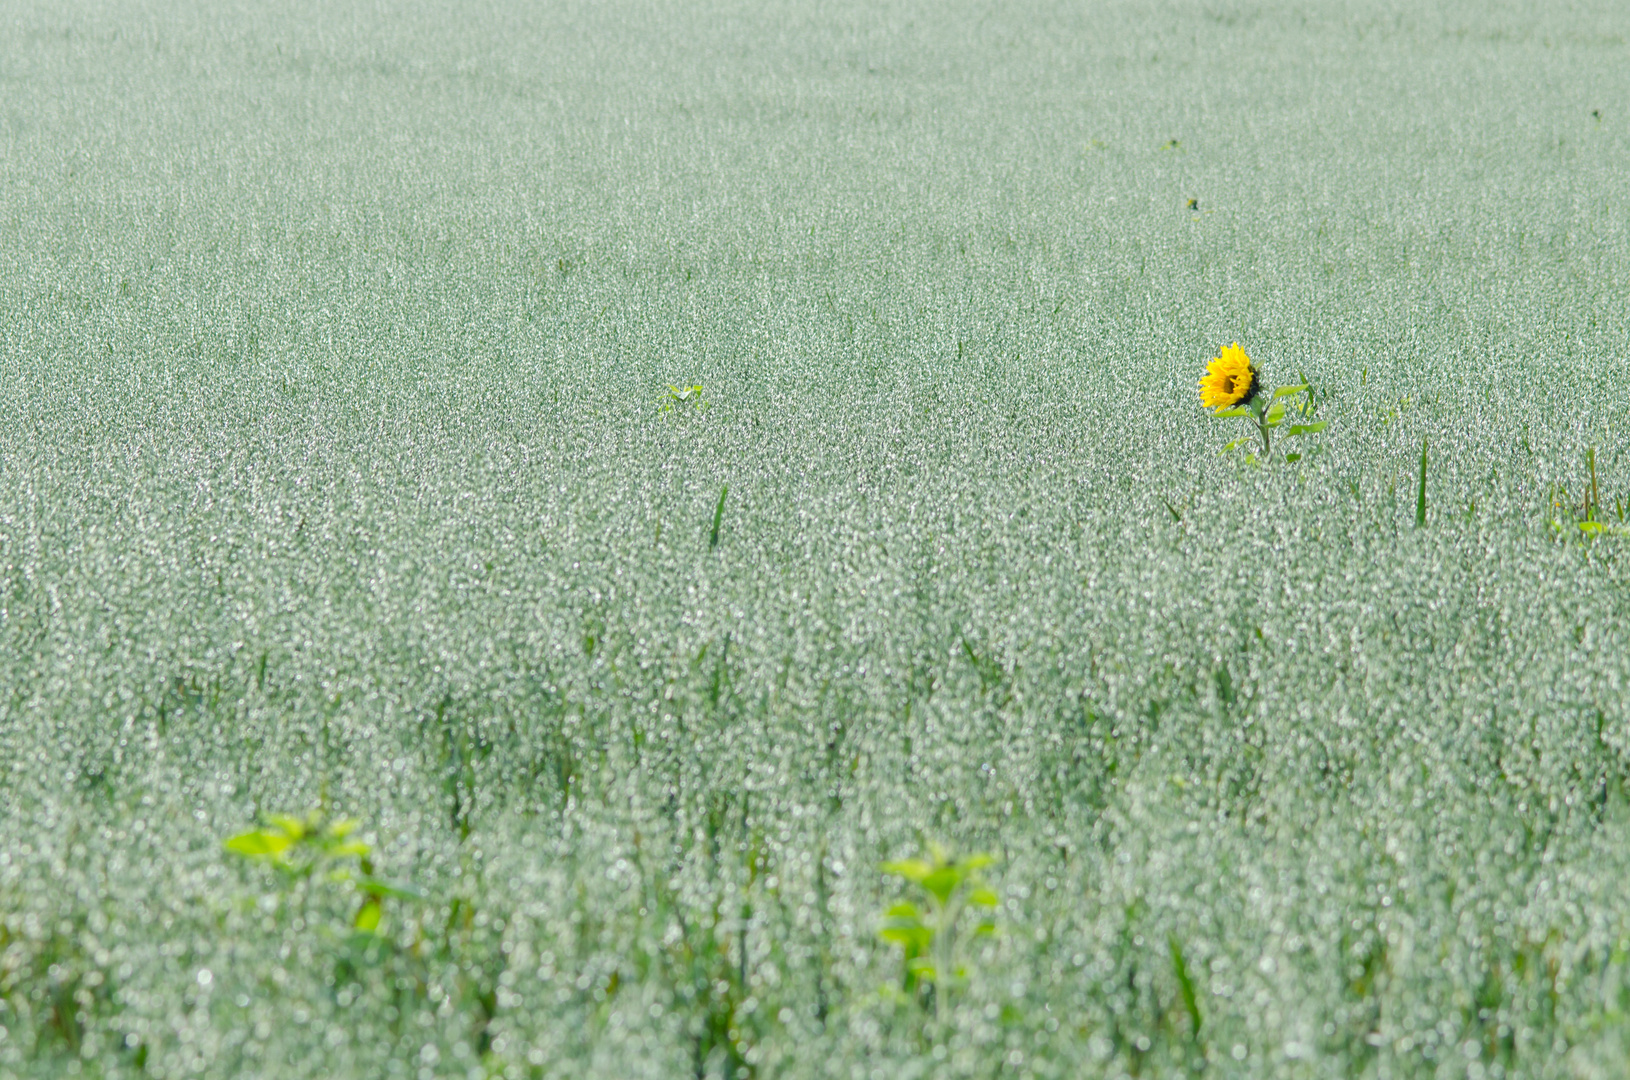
{"points": [[942, 883], [911, 938], [922, 967], [1293, 458], [293, 826], [984, 898], [354, 847], [1237, 410], [1241, 441], [1287, 391], [974, 862], [367, 919], [903, 910], [910, 869], [259, 844], [1306, 429], [1276, 413]]}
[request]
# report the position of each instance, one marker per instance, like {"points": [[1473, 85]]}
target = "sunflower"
{"points": [[1230, 380]]}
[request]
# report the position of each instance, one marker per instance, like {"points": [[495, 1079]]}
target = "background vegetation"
{"points": [[352, 462]]}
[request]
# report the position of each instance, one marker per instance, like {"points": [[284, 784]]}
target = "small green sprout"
{"points": [[682, 398], [299, 847], [926, 934], [1588, 515]]}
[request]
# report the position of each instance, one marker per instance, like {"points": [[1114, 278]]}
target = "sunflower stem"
{"points": [[1259, 409]]}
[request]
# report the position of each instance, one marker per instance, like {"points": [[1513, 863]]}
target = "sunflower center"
{"points": [[1228, 384]]}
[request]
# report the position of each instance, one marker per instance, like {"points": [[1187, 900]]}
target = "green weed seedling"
{"points": [[460, 962], [1588, 515], [927, 932], [683, 399], [298, 848]]}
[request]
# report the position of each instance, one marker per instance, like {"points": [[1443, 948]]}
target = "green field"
{"points": [[350, 467]]}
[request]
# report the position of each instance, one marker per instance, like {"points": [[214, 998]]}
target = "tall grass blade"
{"points": [[1420, 495], [718, 515], [1185, 984], [1595, 492]]}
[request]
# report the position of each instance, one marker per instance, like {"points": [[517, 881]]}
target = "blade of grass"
{"points": [[718, 515], [1595, 492], [1420, 496], [1185, 984]]}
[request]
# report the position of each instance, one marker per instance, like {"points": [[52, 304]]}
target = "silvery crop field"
{"points": [[649, 540]]}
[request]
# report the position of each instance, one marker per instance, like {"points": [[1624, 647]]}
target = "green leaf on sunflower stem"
{"points": [[942, 883], [1306, 429], [1287, 391], [1277, 413], [1239, 442], [1237, 410], [908, 937]]}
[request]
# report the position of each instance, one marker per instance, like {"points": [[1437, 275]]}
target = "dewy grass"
{"points": [[335, 475]]}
